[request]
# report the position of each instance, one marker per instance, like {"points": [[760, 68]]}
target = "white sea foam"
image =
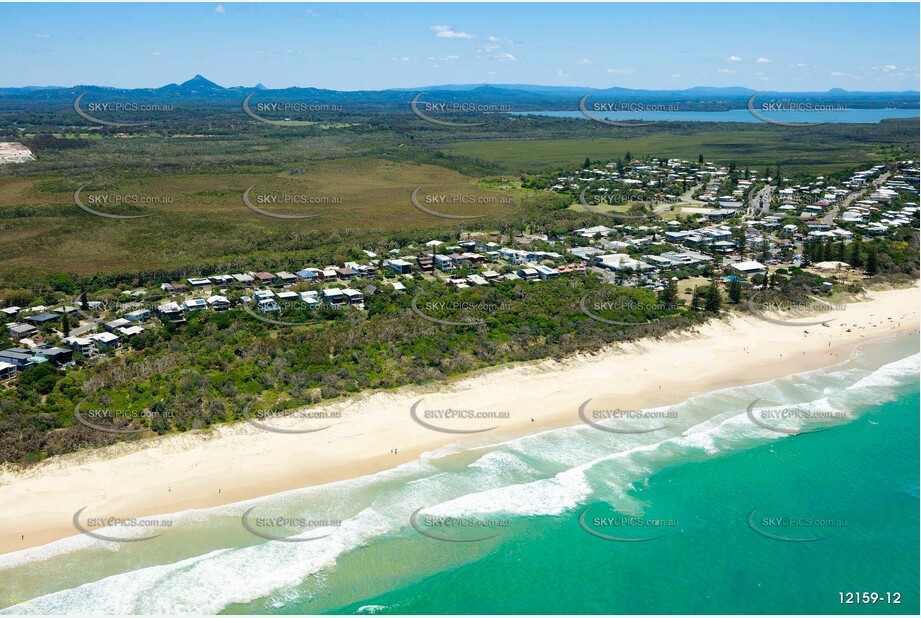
{"points": [[499, 481]]}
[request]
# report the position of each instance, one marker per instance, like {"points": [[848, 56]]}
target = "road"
{"points": [[837, 208], [684, 198], [761, 202], [76, 332]]}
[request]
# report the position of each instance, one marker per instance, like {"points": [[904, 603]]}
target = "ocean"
{"points": [[709, 513], [847, 116]]}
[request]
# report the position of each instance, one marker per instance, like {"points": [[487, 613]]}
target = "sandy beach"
{"points": [[237, 462]]}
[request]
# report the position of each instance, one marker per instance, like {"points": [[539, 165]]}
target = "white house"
{"points": [[749, 268], [620, 261], [218, 303], [194, 304], [105, 340]]}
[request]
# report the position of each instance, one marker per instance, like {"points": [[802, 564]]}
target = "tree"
{"points": [[697, 300], [828, 251], [700, 159], [669, 295], [65, 323], [739, 236], [854, 258], [735, 291], [839, 251], [713, 300], [872, 260], [627, 157], [587, 164]]}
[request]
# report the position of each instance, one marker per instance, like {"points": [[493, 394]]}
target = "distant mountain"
{"points": [[199, 89]]}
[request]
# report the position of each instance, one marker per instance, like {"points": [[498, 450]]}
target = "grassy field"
{"points": [[363, 176], [815, 150], [201, 216]]}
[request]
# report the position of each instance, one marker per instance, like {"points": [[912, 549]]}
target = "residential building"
{"points": [[20, 331], [400, 267], [218, 302], [138, 316], [82, 345], [749, 268], [105, 340]]}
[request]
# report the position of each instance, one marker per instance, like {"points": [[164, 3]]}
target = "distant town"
{"points": [[670, 221]]}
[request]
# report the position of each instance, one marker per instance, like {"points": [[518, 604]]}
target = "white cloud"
{"points": [[838, 74], [492, 73], [494, 43], [733, 59], [584, 61], [42, 36], [561, 73], [725, 71], [157, 53], [219, 9], [762, 60], [400, 58], [801, 65], [676, 74], [622, 71], [505, 56], [312, 13], [445, 32], [886, 68]]}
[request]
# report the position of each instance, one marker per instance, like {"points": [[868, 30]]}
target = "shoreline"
{"points": [[237, 462]]}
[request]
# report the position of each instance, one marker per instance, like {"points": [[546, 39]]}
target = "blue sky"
{"points": [[800, 47]]}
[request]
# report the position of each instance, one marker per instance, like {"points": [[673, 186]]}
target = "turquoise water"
{"points": [[698, 481], [716, 564], [857, 116]]}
